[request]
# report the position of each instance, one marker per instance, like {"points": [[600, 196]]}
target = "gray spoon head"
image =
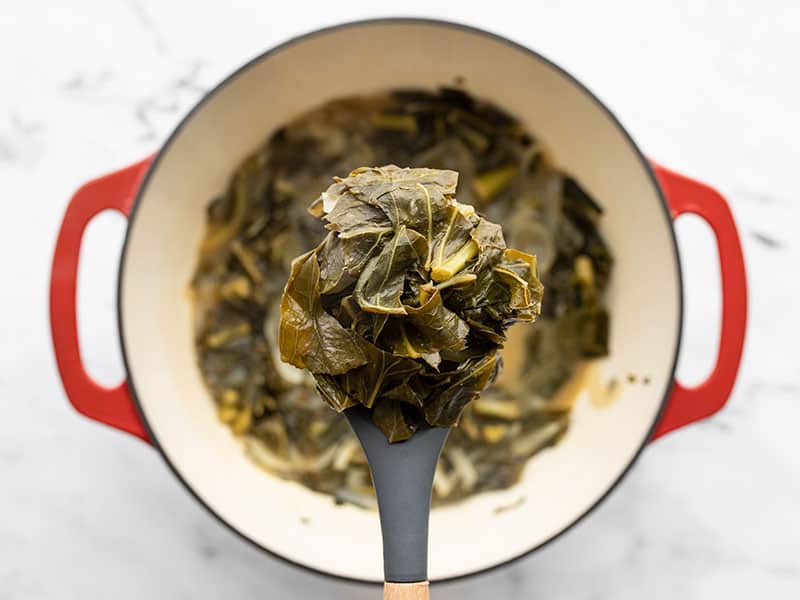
{"points": [[403, 476]]}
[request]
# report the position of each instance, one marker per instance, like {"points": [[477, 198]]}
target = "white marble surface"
{"points": [[709, 88]]}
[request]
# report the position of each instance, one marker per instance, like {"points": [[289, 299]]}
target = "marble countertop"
{"points": [[708, 88]]}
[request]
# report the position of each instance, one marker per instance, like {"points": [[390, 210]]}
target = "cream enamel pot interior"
{"points": [[164, 402]]}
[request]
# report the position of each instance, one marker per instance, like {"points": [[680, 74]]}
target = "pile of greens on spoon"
{"points": [[403, 306]]}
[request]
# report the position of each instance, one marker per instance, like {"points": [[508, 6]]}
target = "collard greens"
{"points": [[403, 306], [259, 223]]}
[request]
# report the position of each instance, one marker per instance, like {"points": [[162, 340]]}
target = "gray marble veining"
{"points": [[708, 88]]}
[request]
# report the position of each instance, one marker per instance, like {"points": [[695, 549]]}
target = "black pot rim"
{"points": [[361, 23]]}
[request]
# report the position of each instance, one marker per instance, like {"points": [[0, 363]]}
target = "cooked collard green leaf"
{"points": [[410, 293], [380, 284], [388, 415], [333, 272], [443, 328], [309, 337], [383, 371], [466, 384]]}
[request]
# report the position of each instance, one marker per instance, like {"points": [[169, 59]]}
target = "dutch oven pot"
{"points": [[163, 401]]}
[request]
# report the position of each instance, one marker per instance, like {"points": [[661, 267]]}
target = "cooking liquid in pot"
{"points": [[260, 223]]}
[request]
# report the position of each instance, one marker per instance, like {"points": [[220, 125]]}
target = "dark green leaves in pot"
{"points": [[403, 306]]}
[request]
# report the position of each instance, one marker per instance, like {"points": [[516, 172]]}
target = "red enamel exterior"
{"points": [[687, 405], [117, 191], [112, 406]]}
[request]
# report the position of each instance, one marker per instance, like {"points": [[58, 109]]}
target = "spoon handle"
{"points": [[405, 591]]}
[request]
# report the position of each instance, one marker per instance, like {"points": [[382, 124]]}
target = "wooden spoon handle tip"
{"points": [[405, 591]]}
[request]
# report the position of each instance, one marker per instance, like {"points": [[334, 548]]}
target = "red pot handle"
{"points": [[112, 406], [689, 404]]}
